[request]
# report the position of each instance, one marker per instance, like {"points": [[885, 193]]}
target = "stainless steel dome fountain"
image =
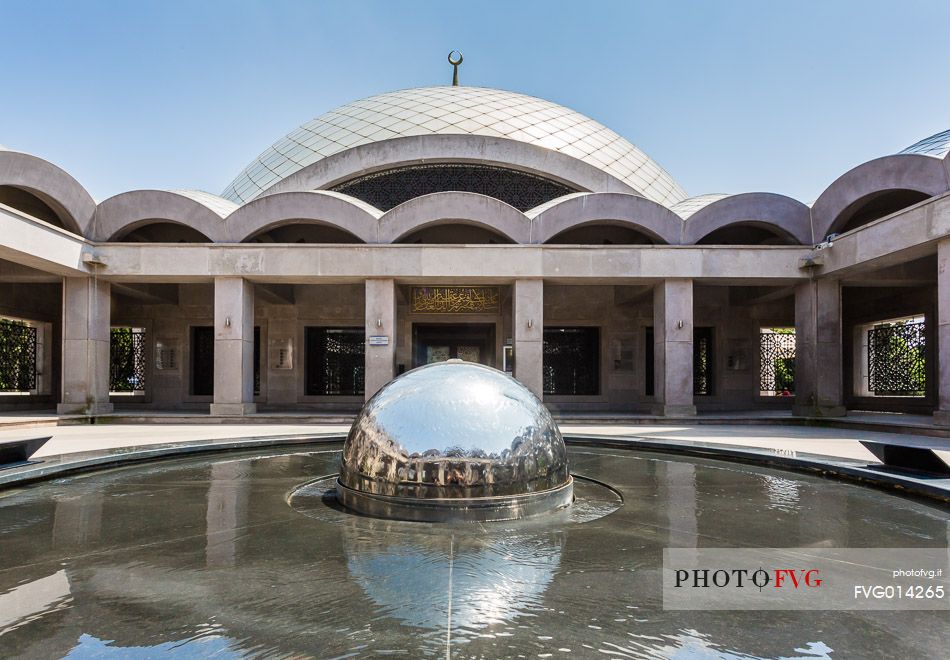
{"points": [[454, 441]]}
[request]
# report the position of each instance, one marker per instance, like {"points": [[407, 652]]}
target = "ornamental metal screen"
{"points": [[17, 356], [777, 362], [702, 361], [387, 189], [570, 361], [897, 363], [127, 351], [335, 361], [257, 360]]}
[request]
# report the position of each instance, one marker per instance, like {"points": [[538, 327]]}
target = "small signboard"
{"points": [[379, 340]]}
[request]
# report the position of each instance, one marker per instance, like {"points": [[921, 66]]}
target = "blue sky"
{"points": [[728, 96]]}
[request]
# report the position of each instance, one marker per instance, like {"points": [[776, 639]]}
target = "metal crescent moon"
{"points": [[458, 61]]}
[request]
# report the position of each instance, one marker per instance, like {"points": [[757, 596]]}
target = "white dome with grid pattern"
{"points": [[457, 110]]}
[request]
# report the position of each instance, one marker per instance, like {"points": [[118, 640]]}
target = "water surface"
{"points": [[205, 556]]}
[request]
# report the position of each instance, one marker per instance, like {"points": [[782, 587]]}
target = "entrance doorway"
{"points": [[472, 342], [202, 360]]}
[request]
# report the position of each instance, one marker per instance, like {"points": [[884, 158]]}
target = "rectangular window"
{"points": [[571, 361], [17, 357], [896, 358], [335, 361], [127, 361], [777, 361]]}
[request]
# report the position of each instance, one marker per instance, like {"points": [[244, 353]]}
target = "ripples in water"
{"points": [[204, 557]]}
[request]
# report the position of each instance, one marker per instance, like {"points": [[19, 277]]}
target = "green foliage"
{"points": [[785, 374], [122, 363], [779, 350], [897, 363]]}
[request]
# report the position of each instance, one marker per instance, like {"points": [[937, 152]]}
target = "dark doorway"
{"points": [[571, 361], [202, 360], [257, 360], [335, 361], [649, 366], [472, 342]]}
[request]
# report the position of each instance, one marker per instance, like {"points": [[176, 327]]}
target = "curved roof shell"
{"points": [[457, 110], [937, 145]]}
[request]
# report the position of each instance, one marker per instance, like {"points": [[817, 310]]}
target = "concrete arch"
{"points": [[52, 185], [125, 212], [314, 207], [454, 207], [783, 215], [398, 152], [912, 172], [632, 211]]}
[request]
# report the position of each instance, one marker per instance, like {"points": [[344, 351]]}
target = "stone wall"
{"points": [[622, 314]]}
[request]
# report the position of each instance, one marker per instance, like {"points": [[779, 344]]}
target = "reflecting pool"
{"points": [[241, 555]]}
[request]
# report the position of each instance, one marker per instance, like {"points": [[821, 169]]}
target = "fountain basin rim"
{"points": [[457, 509], [849, 470]]}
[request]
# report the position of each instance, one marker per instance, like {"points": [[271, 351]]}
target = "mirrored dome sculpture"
{"points": [[454, 441]]}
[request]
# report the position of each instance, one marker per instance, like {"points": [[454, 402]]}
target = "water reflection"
{"points": [[205, 557], [32, 600], [89, 646], [77, 520], [458, 578], [227, 511], [692, 644], [678, 491], [781, 493]]}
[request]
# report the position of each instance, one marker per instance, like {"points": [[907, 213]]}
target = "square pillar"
{"points": [[86, 333], [673, 348], [528, 326], [380, 322], [819, 385], [233, 347], [942, 413]]}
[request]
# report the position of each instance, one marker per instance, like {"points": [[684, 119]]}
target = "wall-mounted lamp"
{"points": [[227, 321], [679, 324], [379, 323], [530, 323], [92, 259]]}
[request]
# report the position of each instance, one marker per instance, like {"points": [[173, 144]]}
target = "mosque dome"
{"points": [[454, 440], [937, 145], [461, 111]]}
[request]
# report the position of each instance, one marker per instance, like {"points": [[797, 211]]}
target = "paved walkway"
{"points": [[832, 442]]}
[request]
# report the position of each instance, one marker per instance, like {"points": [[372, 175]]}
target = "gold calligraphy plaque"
{"points": [[455, 299]]}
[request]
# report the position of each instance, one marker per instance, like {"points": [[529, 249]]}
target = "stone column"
{"points": [[233, 347], [86, 331], [942, 413], [528, 329], [380, 322], [819, 390], [673, 348]]}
